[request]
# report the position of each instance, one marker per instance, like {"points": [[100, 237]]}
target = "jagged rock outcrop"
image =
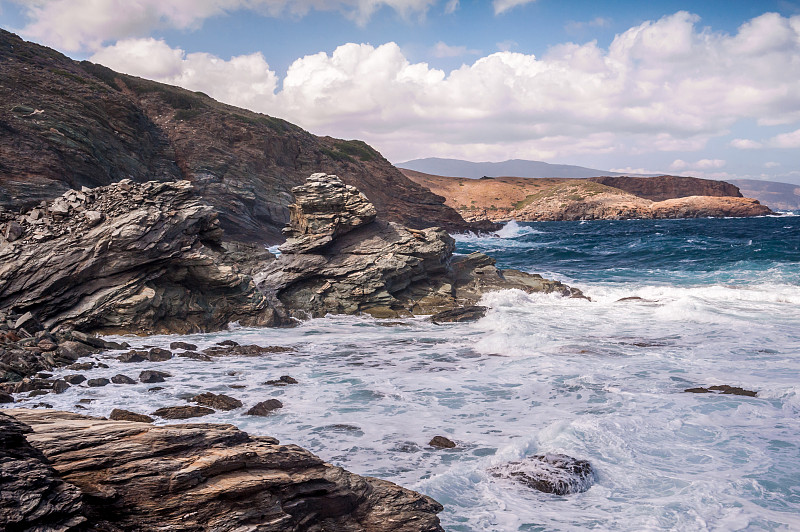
{"points": [[666, 187], [129, 257], [376, 267], [135, 476], [65, 124], [32, 496]]}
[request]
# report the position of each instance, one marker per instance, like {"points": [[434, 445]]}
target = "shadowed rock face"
{"points": [[214, 477], [65, 124], [376, 267], [142, 258]]}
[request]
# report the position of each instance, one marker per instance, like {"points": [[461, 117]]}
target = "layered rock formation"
{"points": [[526, 199], [142, 258], [65, 124], [134, 476], [340, 260]]}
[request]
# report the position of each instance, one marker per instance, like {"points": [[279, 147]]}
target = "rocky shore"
{"points": [[65, 472]]}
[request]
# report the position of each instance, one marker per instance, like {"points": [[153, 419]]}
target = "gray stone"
{"points": [[151, 376]]}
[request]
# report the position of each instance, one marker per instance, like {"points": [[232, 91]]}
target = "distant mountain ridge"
{"points": [[510, 168], [776, 195]]}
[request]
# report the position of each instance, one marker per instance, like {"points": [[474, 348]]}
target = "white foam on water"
{"points": [[600, 380]]}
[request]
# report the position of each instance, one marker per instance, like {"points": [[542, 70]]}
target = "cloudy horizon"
{"points": [[658, 91]]}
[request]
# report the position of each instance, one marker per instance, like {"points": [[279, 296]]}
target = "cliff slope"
{"points": [[527, 199], [65, 124]]}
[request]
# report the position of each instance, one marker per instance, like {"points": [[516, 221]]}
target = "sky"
{"points": [[709, 89]]}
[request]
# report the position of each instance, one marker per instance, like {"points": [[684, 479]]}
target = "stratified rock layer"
{"points": [[148, 259], [377, 267], [216, 478]]}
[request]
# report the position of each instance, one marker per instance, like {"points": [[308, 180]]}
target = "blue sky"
{"points": [[697, 88]]}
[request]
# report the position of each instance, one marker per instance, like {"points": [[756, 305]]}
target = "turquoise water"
{"points": [[718, 302]]}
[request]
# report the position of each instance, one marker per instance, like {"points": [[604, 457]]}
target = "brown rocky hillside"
{"points": [[532, 199], [66, 124]]}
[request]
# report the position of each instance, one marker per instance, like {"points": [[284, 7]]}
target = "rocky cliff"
{"points": [[340, 259], [83, 473], [65, 124], [669, 187], [129, 257], [551, 199]]}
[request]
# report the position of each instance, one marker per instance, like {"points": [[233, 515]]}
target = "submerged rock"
{"points": [[137, 476], [723, 389], [550, 473]]}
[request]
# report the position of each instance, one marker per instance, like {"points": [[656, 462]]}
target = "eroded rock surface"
{"points": [[214, 477], [377, 267], [550, 473], [155, 264]]}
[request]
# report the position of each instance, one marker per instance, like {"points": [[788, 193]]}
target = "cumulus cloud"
{"points": [[79, 25], [501, 6], [663, 85]]}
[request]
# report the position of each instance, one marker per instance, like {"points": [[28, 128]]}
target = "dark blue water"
{"points": [[686, 251]]}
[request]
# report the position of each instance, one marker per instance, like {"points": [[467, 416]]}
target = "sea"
{"points": [[673, 304]]}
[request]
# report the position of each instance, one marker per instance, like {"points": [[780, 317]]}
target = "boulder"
{"points": [[441, 442], [460, 315], [94, 383], [217, 401], [265, 408], [183, 345], [133, 356], [158, 355], [75, 379], [126, 415], [151, 376], [182, 412], [60, 386], [122, 379], [550, 473], [200, 476]]}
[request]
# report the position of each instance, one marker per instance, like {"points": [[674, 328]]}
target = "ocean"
{"points": [[675, 304]]}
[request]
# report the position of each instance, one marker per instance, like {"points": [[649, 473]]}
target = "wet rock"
{"points": [[282, 381], [122, 379], [230, 343], [81, 366], [244, 350], [441, 442], [723, 389], [204, 476], [75, 379], [37, 393], [460, 315], [60, 386], [195, 356], [133, 356], [265, 408], [182, 412], [151, 376], [550, 473], [72, 350], [158, 355], [183, 345], [97, 343], [94, 383], [217, 401], [6, 398], [32, 496], [126, 415]]}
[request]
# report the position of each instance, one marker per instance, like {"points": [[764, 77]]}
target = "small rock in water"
{"points": [[282, 381], [6, 398], [82, 366], [441, 442], [126, 415], [122, 379], [77, 378], [94, 383], [183, 345], [159, 355], [230, 343], [723, 389], [194, 355], [217, 401], [460, 315], [150, 376], [37, 393], [549, 473], [60, 386], [133, 356], [182, 412], [264, 408]]}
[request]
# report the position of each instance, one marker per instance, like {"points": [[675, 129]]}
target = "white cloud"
{"points": [[678, 164], [451, 7], [501, 6], [79, 25], [702, 164], [786, 140], [507, 45], [664, 85], [444, 50], [746, 144], [771, 164]]}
